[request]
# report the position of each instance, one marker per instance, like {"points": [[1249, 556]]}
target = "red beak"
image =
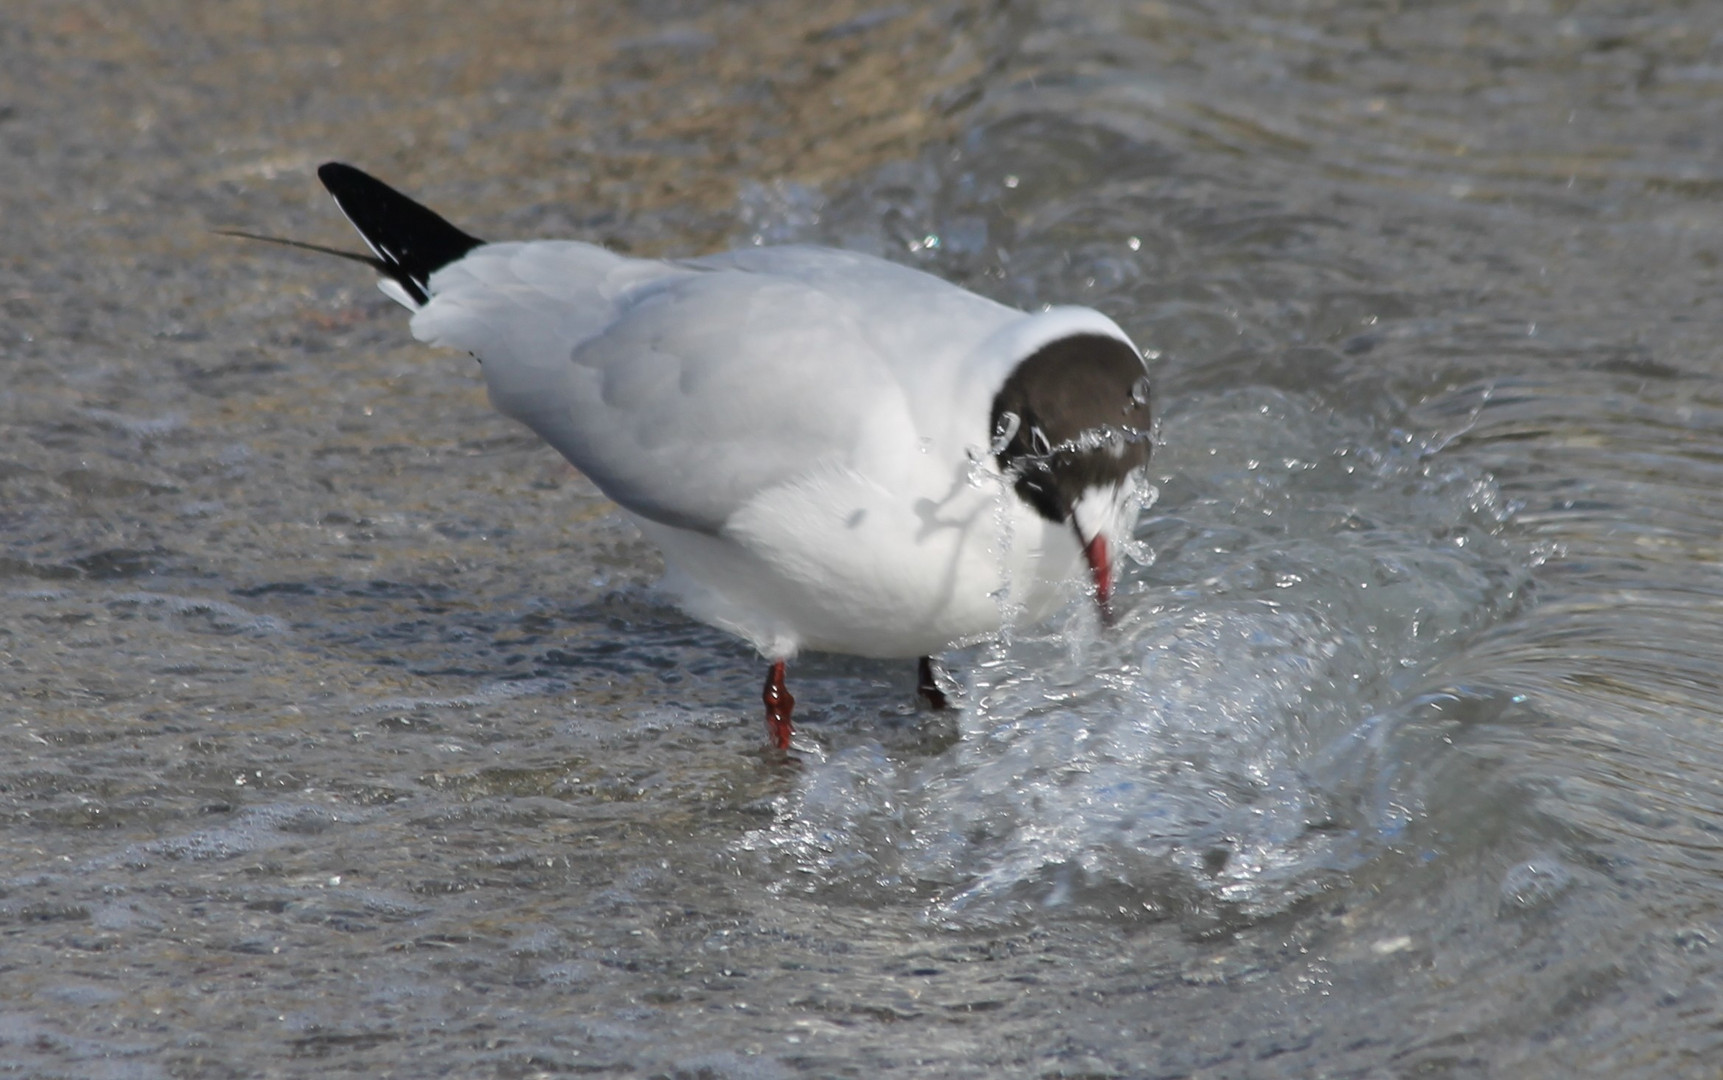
{"points": [[1101, 569]]}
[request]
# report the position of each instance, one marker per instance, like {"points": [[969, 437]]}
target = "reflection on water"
{"points": [[346, 733]]}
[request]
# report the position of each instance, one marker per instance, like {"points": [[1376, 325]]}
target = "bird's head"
{"points": [[1071, 428]]}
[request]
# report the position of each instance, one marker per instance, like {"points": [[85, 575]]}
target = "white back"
{"points": [[665, 381]]}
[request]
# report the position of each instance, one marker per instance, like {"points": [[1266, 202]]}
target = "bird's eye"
{"points": [[1006, 431], [1140, 391]]}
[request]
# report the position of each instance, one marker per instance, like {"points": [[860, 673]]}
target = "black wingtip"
{"points": [[410, 240]]}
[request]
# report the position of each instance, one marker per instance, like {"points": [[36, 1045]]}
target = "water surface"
{"points": [[345, 733]]}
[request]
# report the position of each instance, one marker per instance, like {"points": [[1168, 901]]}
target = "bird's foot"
{"points": [[927, 685], [779, 704]]}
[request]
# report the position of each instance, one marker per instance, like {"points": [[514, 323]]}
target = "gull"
{"points": [[832, 451]]}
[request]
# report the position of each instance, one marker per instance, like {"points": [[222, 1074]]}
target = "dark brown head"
{"points": [[1070, 427]]}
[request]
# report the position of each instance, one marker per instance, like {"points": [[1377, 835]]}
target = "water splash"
{"points": [[1232, 744], [984, 475]]}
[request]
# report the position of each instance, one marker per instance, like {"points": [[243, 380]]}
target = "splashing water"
{"points": [[983, 475], [1231, 745]]}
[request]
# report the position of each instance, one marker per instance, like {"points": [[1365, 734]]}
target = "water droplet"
{"points": [[1535, 882]]}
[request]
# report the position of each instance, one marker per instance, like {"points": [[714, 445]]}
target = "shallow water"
{"points": [[345, 733]]}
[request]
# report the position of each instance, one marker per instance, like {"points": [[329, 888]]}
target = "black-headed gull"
{"points": [[832, 451]]}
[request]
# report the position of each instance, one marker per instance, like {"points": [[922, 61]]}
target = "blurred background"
{"points": [[344, 733]]}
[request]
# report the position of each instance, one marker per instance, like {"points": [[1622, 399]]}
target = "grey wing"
{"points": [[681, 393]]}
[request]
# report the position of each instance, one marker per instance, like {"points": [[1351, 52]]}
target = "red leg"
{"points": [[928, 686], [778, 705]]}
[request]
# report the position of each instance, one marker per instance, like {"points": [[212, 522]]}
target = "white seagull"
{"points": [[832, 451]]}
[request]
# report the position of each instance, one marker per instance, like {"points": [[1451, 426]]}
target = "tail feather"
{"points": [[411, 241]]}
